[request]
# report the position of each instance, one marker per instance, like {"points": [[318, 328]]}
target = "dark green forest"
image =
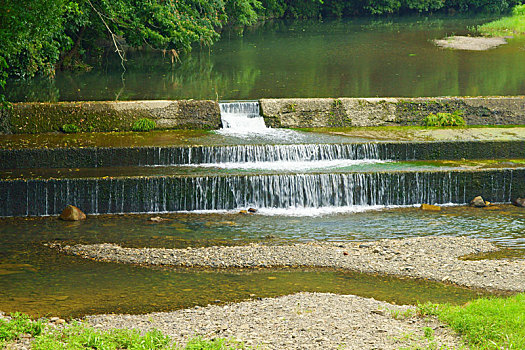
{"points": [[41, 36]]}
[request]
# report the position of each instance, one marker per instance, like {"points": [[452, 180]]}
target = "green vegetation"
{"points": [[514, 25], [39, 36], [445, 119], [495, 323], [18, 325], [70, 128], [80, 336], [143, 124]]}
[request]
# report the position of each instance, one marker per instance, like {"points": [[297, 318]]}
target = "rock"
{"points": [[430, 207], [243, 212], [519, 202], [252, 210], [478, 202], [158, 219], [72, 213]]}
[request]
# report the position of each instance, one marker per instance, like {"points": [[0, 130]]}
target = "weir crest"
{"points": [[265, 176]]}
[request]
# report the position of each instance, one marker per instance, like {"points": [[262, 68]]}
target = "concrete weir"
{"points": [[152, 194], [93, 157], [345, 112], [285, 112]]}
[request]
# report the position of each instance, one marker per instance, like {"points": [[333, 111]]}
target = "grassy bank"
{"points": [[484, 324], [513, 25], [80, 336], [495, 323]]}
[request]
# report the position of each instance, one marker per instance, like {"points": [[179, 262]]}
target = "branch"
{"points": [[118, 48]]}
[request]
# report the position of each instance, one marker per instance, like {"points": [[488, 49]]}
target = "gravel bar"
{"points": [[298, 321], [432, 258]]}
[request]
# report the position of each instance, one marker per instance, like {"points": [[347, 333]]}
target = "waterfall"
{"points": [[242, 118], [189, 193]]}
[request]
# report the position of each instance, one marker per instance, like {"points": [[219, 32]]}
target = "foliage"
{"points": [[39, 36], [445, 119], [18, 324], [143, 124], [70, 128], [80, 336], [514, 25], [495, 323]]}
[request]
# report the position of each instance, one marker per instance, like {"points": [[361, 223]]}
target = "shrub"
{"points": [[143, 124], [445, 119], [518, 10], [70, 128]]}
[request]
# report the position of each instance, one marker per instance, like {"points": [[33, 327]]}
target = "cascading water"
{"points": [[287, 191], [242, 118], [271, 176]]}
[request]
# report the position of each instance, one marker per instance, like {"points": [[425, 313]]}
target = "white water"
{"points": [[292, 165], [244, 120]]}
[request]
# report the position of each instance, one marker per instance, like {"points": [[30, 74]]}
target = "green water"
{"points": [[39, 281], [332, 58]]}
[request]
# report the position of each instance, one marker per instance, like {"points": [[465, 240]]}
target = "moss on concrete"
{"points": [[35, 118], [348, 112]]}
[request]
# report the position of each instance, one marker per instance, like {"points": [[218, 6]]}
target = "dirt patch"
{"points": [[470, 43]]}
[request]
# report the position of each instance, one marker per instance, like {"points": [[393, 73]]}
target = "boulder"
{"points": [[519, 202], [252, 210], [430, 207], [72, 213], [478, 202]]}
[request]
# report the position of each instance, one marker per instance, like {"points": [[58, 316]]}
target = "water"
{"points": [[331, 58], [40, 281], [243, 120], [157, 194]]}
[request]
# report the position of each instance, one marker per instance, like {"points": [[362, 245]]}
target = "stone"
{"points": [[72, 213], [243, 211], [252, 210], [430, 207], [157, 219], [519, 202], [478, 202]]}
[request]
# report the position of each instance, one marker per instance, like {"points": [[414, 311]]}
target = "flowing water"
{"points": [[40, 281], [370, 57], [303, 191]]}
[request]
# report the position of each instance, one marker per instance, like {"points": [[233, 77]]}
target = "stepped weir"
{"points": [[321, 184]]}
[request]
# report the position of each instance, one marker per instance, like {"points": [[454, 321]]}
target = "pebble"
{"points": [[298, 321], [432, 258]]}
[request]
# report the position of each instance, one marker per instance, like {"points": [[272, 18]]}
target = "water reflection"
{"points": [[349, 57]]}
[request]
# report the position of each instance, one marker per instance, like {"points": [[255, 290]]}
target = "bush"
{"points": [[143, 124], [70, 128], [445, 119], [518, 10]]}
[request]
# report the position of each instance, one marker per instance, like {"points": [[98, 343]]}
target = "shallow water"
{"points": [[331, 58], [40, 281]]}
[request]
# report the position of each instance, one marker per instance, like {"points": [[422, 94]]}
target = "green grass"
{"points": [[143, 124], [485, 324], [19, 324], [70, 128], [513, 25], [79, 336], [445, 119]]}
